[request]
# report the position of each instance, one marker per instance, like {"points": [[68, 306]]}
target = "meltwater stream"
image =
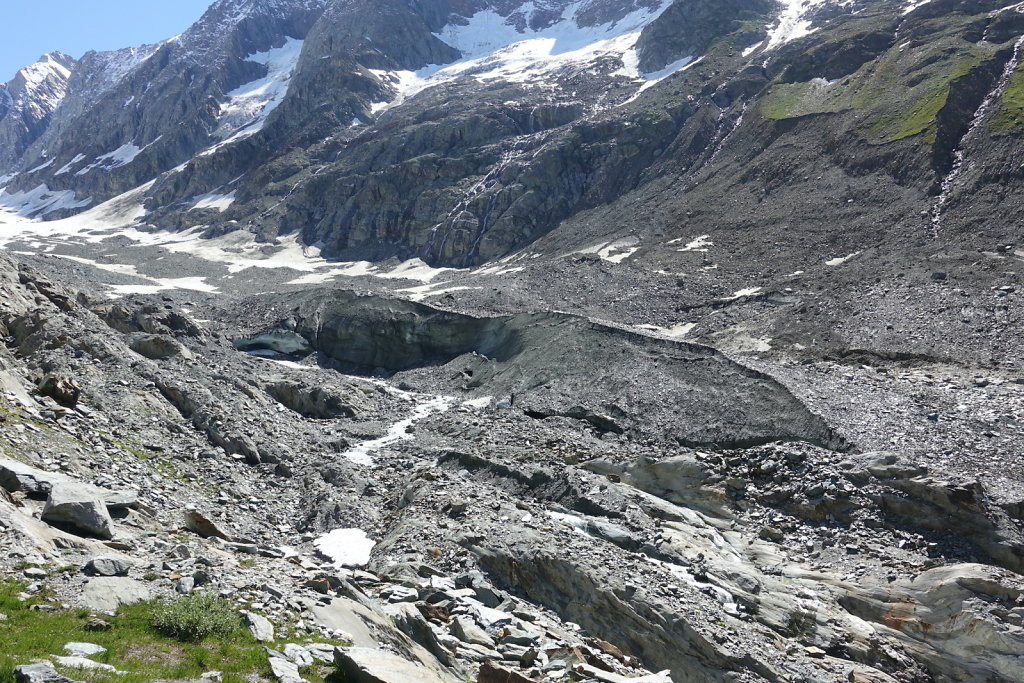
{"points": [[425, 405], [361, 454], [960, 155]]}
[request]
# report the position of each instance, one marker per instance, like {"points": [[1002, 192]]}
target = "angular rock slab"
{"points": [[107, 593], [285, 671], [198, 523], [39, 673], [108, 566], [371, 665], [79, 508], [260, 627]]}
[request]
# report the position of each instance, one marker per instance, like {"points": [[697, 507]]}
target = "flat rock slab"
{"points": [[39, 673], [350, 617], [84, 649], [83, 663], [199, 523], [17, 476], [285, 671], [370, 665], [107, 593]]}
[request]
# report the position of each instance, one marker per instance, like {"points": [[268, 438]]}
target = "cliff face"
{"points": [[28, 102]]}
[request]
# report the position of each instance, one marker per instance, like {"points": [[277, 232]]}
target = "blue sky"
{"points": [[34, 27]]}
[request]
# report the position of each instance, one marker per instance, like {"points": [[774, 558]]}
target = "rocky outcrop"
{"points": [[687, 29]]}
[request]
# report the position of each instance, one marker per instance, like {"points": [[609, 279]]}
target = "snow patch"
{"points": [[841, 259], [675, 332], [699, 244], [41, 201], [346, 547], [157, 284], [212, 200], [67, 167], [197, 284], [748, 291], [98, 223], [42, 166], [362, 453], [792, 23], [614, 252], [122, 156], [248, 106], [913, 5], [423, 291]]}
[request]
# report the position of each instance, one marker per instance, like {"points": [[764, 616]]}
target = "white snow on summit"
{"points": [[40, 87]]}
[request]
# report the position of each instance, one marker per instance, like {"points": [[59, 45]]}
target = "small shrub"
{"points": [[193, 617]]}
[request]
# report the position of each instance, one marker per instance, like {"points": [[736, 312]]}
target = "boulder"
{"points": [[80, 508], [372, 665], [107, 593], [285, 671], [39, 673], [492, 673], [61, 389], [199, 523], [298, 654], [108, 566], [260, 627], [466, 630], [16, 476], [157, 346]]}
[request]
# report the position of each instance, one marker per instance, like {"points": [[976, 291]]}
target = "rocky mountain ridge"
{"points": [[275, 125]]}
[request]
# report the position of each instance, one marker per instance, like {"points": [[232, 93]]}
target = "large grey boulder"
{"points": [[108, 566], [285, 671], [157, 346], [260, 627], [107, 593], [372, 665], [80, 508]]}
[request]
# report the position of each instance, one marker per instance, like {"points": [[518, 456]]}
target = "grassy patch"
{"points": [[898, 95], [1010, 115], [791, 100], [133, 644]]}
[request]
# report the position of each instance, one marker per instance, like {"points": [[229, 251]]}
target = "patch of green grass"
{"points": [[898, 95], [791, 100], [1010, 114], [133, 643]]}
